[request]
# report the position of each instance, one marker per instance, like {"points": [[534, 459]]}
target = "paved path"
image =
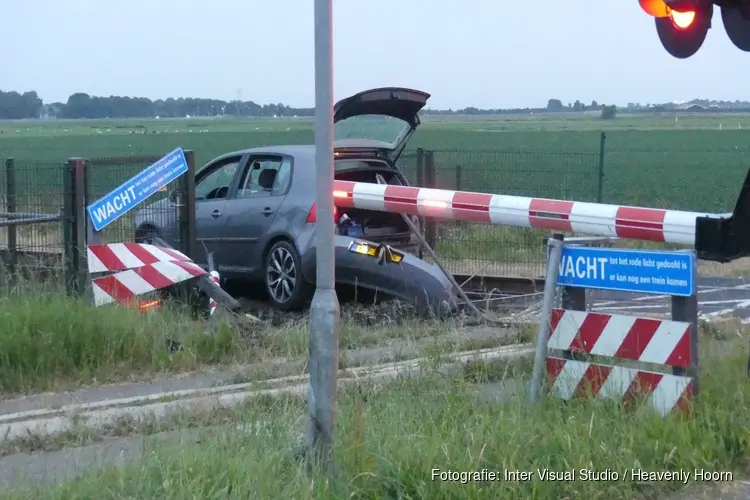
{"points": [[717, 297]]}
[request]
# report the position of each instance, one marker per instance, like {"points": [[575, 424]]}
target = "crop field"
{"points": [[686, 161], [695, 162]]}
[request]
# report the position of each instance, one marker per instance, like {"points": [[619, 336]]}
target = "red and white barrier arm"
{"points": [[651, 224]]}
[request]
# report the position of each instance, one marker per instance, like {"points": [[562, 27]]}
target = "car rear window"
{"points": [[340, 165]]}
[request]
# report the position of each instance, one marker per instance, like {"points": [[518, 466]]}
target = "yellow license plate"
{"points": [[371, 251], [363, 249]]}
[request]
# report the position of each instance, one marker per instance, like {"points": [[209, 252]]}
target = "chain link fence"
{"points": [[467, 248], [31, 200], [31, 191], [105, 173], [43, 212]]}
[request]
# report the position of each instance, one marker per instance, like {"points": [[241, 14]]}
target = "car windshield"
{"points": [[374, 127]]}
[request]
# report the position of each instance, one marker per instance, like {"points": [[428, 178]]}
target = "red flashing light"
{"points": [[682, 20]]}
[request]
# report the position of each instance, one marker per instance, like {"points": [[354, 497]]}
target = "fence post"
{"points": [[420, 167], [458, 178], [419, 180], [600, 183], [74, 226], [554, 253], [187, 207], [11, 206], [686, 309], [81, 197], [70, 256], [430, 227]]}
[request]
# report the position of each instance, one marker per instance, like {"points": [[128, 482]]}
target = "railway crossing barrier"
{"points": [[617, 356], [715, 237]]}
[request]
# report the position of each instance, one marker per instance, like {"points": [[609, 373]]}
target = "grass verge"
{"points": [[49, 341], [389, 443]]}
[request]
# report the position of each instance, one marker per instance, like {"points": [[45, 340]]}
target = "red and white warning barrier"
{"points": [[126, 285], [121, 256], [139, 269], [669, 226], [646, 340], [214, 276]]}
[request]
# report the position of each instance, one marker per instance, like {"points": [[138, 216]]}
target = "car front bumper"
{"points": [[412, 279]]}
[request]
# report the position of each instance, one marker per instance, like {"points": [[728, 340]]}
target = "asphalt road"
{"points": [[717, 297]]}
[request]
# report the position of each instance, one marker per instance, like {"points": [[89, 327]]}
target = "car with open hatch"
{"points": [[255, 211]]}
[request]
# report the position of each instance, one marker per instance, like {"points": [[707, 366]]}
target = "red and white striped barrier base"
{"points": [[214, 275], [126, 285], [645, 340], [121, 256], [142, 269], [670, 226]]}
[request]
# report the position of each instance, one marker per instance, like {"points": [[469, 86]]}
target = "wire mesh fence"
{"points": [[158, 215], [467, 248], [31, 199], [35, 189]]}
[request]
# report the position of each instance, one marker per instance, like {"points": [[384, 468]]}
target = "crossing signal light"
{"points": [[682, 20]]}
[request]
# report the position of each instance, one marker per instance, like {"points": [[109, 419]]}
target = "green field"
{"points": [[696, 162]]}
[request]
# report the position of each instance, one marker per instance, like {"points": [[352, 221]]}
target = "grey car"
{"points": [[255, 210]]}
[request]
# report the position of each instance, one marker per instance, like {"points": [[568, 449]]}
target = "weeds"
{"points": [[48, 339]]}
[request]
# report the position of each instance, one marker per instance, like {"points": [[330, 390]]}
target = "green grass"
{"points": [[388, 445], [49, 341]]}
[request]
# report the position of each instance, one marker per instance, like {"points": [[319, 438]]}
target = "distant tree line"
{"points": [[15, 105], [80, 105]]}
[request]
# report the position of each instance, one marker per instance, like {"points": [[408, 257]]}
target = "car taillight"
{"points": [[312, 216]]}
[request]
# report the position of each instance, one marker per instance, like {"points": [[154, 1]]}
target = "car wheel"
{"points": [[287, 288], [145, 235]]}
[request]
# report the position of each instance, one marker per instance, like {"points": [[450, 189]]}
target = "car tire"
{"points": [[145, 235], [286, 287]]}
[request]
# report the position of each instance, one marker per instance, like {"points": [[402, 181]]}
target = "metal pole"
{"points": [[324, 312], [600, 180], [554, 245]]}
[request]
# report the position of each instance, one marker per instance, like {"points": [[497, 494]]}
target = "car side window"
{"points": [[215, 185], [283, 178], [266, 177]]}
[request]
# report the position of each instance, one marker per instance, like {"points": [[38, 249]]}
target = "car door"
{"points": [[262, 189], [213, 185]]}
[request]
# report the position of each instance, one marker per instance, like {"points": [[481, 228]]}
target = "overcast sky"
{"points": [[483, 53]]}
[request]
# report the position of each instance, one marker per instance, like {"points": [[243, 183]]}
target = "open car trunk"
{"points": [[379, 227]]}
